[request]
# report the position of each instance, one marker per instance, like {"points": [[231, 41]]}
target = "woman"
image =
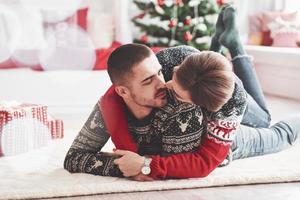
{"points": [[206, 78]]}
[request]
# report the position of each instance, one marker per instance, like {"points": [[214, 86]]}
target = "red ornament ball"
{"points": [[187, 36], [141, 16], [160, 2], [173, 22], [222, 2], [187, 20], [179, 3], [144, 38]]}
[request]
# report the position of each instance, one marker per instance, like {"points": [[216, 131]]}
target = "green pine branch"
{"points": [[166, 13]]}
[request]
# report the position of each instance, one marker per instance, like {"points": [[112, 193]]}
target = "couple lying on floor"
{"points": [[203, 117]]}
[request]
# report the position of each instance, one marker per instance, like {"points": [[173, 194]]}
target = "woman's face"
{"points": [[180, 93]]}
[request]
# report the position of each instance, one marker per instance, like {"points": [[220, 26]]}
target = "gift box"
{"points": [[56, 127], [14, 110], [24, 127]]}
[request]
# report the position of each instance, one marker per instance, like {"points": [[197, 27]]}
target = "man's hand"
{"points": [[130, 163], [141, 177]]}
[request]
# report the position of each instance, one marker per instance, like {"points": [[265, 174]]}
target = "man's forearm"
{"points": [[85, 154], [79, 161]]}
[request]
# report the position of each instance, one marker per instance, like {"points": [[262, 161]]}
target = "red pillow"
{"points": [[8, 64], [82, 18], [102, 56], [270, 16]]}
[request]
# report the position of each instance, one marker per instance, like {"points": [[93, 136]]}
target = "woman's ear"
{"points": [[122, 91]]}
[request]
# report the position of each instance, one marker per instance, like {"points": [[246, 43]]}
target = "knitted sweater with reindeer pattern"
{"points": [[184, 140]]}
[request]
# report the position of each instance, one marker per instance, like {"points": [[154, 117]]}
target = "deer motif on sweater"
{"points": [[221, 129], [93, 122], [184, 122]]}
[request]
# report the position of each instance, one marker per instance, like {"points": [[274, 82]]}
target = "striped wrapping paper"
{"points": [[56, 127], [8, 112]]}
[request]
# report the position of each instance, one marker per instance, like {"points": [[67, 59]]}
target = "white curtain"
{"points": [[109, 21], [123, 32], [292, 5]]}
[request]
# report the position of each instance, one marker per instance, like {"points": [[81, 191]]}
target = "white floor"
{"points": [[284, 191], [282, 108], [279, 108]]}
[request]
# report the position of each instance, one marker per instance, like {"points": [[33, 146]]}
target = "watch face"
{"points": [[146, 170]]}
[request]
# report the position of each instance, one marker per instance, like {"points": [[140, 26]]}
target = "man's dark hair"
{"points": [[122, 60]]}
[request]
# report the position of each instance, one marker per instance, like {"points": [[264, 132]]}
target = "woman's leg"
{"points": [[256, 114], [251, 142], [215, 44]]}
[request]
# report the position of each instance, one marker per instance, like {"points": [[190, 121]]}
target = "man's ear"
{"points": [[122, 91]]}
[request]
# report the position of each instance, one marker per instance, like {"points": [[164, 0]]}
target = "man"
{"points": [[160, 125], [155, 119]]}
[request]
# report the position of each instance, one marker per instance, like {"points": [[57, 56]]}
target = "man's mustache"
{"points": [[160, 91]]}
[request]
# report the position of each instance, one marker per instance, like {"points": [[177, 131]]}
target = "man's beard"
{"points": [[156, 102]]}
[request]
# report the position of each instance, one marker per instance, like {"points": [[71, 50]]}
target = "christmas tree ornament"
{"points": [[173, 22], [187, 21], [222, 2], [160, 2], [144, 39], [187, 36], [179, 3], [140, 16]]}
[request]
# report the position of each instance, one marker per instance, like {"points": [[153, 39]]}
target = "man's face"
{"points": [[147, 84]]}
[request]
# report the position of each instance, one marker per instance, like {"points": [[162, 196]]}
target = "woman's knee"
{"points": [[291, 126]]}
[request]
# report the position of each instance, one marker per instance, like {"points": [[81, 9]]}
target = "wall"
{"points": [[278, 70]]}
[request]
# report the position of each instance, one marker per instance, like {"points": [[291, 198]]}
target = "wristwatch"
{"points": [[146, 170]]}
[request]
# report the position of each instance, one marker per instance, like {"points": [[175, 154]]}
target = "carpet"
{"points": [[40, 174]]}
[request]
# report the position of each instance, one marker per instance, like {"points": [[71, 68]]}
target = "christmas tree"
{"points": [[167, 23]]}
